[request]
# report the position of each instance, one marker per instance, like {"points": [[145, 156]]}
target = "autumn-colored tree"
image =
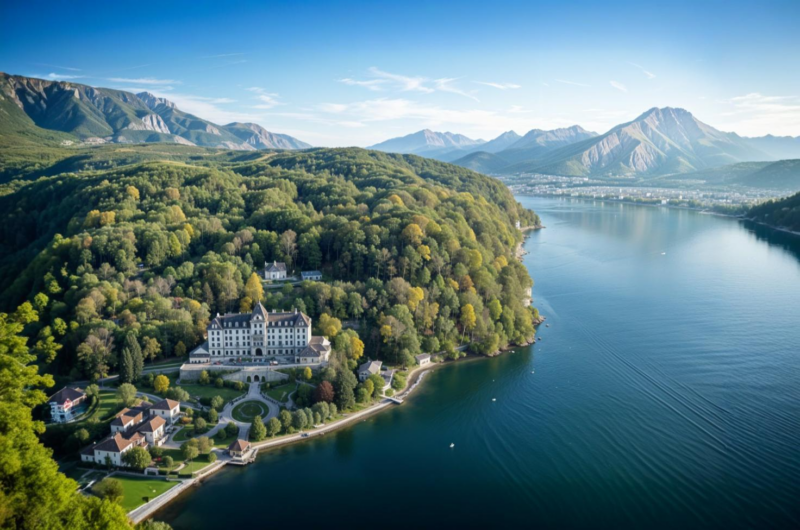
{"points": [[161, 384], [413, 234], [132, 192], [253, 288], [324, 392], [468, 319]]}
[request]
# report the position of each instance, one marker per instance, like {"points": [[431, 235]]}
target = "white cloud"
{"points": [[383, 110], [650, 75], [446, 85], [501, 86], [268, 99], [53, 75], [618, 86], [406, 83], [370, 84], [756, 114], [144, 81], [574, 83], [59, 67]]}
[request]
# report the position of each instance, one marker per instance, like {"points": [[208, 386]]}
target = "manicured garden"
{"points": [[139, 490], [209, 391], [248, 410], [281, 393]]}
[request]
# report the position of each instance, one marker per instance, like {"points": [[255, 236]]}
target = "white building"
{"points": [[369, 368], [263, 335], [140, 426], [275, 271], [423, 359], [64, 402], [167, 409], [311, 275]]}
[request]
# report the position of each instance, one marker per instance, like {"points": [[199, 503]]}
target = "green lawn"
{"points": [[248, 410], [137, 488], [281, 393], [184, 434], [209, 391]]}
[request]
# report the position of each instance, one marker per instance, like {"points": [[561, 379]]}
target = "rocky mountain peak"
{"points": [[153, 101]]}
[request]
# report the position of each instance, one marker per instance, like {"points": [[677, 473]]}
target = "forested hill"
{"points": [[419, 251], [783, 213]]}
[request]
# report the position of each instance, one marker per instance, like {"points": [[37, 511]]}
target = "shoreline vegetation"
{"points": [[414, 380]]}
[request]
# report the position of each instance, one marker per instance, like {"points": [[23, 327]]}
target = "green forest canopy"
{"points": [[409, 243]]}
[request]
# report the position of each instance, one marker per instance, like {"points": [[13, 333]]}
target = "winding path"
{"points": [[226, 416]]}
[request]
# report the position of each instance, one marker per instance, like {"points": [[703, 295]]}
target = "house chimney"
{"points": [[295, 310]]}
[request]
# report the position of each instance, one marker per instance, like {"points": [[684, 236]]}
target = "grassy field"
{"points": [[209, 391], [184, 434], [137, 489], [248, 410], [281, 393]]}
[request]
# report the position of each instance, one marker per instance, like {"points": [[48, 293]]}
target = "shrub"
{"points": [[110, 489]]}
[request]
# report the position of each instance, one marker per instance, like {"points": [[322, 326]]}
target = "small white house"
{"points": [[64, 402], [423, 359], [311, 275], [275, 271], [200, 355], [369, 368], [168, 409], [112, 448]]}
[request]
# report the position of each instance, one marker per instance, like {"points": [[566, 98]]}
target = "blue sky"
{"points": [[356, 73]]}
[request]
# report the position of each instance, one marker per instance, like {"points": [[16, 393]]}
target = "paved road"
{"points": [[226, 416]]}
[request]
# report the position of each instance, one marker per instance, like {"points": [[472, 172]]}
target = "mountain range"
{"points": [[104, 115], [661, 141]]}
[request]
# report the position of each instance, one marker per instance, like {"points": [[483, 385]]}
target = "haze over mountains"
{"points": [[103, 115], [658, 142]]}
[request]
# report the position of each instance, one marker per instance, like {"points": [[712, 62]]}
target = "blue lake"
{"points": [[665, 393]]}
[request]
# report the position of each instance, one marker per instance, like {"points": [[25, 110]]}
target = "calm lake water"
{"points": [[664, 394]]}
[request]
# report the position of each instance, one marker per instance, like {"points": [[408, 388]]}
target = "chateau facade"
{"points": [[263, 335]]}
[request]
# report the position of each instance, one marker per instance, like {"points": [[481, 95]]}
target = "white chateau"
{"points": [[263, 336]]}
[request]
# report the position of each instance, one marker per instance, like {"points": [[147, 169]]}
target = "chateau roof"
{"points": [[165, 404], [66, 393], [283, 318]]}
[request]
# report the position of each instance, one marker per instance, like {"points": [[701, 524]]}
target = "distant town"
{"points": [[688, 194]]}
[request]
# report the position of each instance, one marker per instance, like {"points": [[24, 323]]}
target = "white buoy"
{"points": [[452, 445], [494, 399]]}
